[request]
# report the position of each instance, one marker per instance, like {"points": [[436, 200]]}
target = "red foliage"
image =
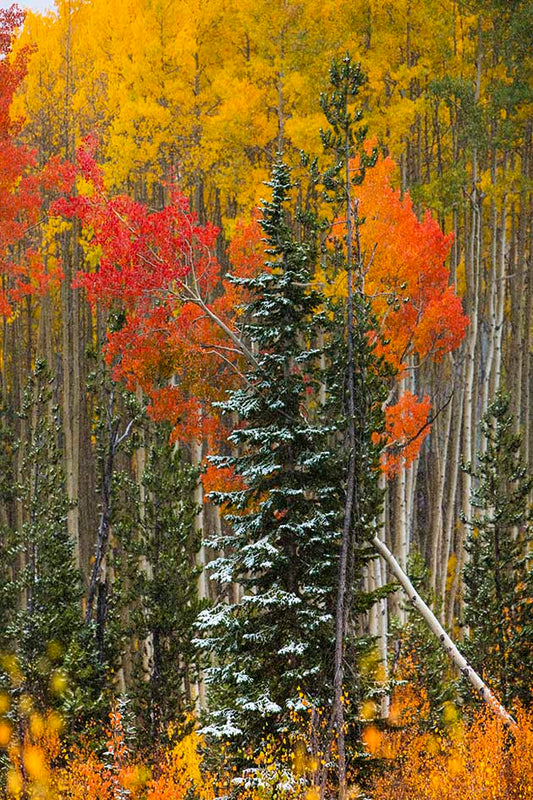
{"points": [[11, 71], [156, 270], [21, 185]]}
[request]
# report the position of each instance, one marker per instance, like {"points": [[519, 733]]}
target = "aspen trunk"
{"points": [[437, 516], [201, 559], [145, 565], [450, 516], [67, 334], [434, 625], [401, 534], [500, 304]]}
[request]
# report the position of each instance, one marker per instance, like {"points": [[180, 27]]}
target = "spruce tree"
{"points": [[7, 549], [302, 525], [44, 630], [498, 576], [281, 529], [159, 547], [48, 583]]}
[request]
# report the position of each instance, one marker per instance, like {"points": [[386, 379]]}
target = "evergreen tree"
{"points": [[358, 385], [303, 523], [498, 577], [47, 583], [160, 548], [55, 663], [7, 496], [282, 537]]}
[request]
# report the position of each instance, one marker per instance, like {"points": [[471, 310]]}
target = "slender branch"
{"points": [[194, 297], [125, 435], [231, 364]]}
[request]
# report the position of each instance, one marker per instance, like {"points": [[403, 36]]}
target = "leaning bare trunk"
{"points": [[434, 625]]}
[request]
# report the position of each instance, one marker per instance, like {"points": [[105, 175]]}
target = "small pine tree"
{"points": [[7, 545], [498, 577], [48, 583], [160, 548], [44, 631]]}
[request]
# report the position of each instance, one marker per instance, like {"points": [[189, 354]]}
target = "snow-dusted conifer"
{"points": [[281, 533]]}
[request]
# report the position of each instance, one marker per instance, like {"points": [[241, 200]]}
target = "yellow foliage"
{"points": [[6, 730], [5, 702], [58, 682], [14, 784], [460, 279], [207, 92]]}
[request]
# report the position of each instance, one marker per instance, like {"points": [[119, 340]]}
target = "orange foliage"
{"points": [[477, 760], [177, 774], [220, 479], [406, 427], [409, 702], [32, 747], [85, 778], [482, 760], [407, 281], [247, 248], [419, 314], [407, 278]]}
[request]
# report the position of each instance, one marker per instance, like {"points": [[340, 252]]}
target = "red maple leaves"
{"points": [[172, 307], [175, 308]]}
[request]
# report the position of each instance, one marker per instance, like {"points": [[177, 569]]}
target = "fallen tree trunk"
{"points": [[434, 625]]}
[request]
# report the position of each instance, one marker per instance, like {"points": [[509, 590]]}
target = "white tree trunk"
{"points": [[437, 514], [203, 588], [434, 625], [500, 308]]}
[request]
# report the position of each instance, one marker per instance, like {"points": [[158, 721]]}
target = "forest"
{"points": [[265, 428]]}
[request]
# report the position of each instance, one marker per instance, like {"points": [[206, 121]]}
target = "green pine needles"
{"points": [[499, 575], [280, 541], [40, 586]]}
